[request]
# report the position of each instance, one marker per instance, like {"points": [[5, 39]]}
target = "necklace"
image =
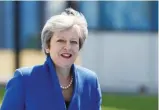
{"points": [[66, 87]]}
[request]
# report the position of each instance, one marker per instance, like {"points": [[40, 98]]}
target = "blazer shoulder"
{"points": [[27, 71], [85, 72]]}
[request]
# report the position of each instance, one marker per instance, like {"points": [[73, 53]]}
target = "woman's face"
{"points": [[64, 47]]}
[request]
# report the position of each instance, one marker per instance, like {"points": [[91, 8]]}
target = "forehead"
{"points": [[72, 32]]}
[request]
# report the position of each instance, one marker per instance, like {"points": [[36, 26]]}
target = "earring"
{"points": [[47, 51]]}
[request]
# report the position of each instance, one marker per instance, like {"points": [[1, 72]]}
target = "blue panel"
{"points": [[2, 25], [104, 20], [125, 15], [9, 24], [29, 21], [154, 25], [90, 11]]}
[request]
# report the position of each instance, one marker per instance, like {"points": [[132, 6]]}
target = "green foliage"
{"points": [[1, 94], [122, 102], [129, 102]]}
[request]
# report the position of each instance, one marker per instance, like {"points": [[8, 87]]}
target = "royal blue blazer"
{"points": [[38, 88]]}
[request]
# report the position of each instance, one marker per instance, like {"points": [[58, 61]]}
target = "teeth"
{"points": [[65, 54]]}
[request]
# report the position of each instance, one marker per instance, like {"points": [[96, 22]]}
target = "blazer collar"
{"points": [[51, 70]]}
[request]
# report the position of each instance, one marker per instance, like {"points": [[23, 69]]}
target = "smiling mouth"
{"points": [[66, 55]]}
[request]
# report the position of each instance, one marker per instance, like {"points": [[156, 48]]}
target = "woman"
{"points": [[58, 84]]}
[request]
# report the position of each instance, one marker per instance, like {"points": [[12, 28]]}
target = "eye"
{"points": [[74, 42], [60, 40]]}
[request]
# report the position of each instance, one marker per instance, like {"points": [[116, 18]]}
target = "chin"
{"points": [[65, 65]]}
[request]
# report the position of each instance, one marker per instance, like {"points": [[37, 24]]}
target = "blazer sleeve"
{"points": [[14, 94], [97, 97]]}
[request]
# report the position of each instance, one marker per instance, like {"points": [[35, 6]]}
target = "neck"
{"points": [[63, 72], [64, 75]]}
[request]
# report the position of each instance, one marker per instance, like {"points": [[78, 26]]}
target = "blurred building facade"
{"points": [[122, 43]]}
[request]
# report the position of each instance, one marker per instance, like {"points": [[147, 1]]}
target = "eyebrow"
{"points": [[74, 38], [60, 36]]}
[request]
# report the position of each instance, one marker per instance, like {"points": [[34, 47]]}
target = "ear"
{"points": [[47, 50]]}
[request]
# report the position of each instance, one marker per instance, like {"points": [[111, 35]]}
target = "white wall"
{"points": [[123, 61]]}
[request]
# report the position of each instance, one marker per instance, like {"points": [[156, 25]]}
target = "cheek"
{"points": [[76, 51], [76, 48], [54, 52]]}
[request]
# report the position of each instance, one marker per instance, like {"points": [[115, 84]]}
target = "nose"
{"points": [[67, 46]]}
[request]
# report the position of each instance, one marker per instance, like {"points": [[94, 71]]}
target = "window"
{"points": [[121, 15]]}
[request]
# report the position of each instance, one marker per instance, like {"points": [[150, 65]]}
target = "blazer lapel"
{"points": [[58, 97], [75, 101]]}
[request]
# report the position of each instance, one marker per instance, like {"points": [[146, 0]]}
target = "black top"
{"points": [[67, 103]]}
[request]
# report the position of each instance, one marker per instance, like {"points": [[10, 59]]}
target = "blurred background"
{"points": [[122, 46]]}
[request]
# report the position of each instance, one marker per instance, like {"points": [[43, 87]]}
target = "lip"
{"points": [[66, 55]]}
